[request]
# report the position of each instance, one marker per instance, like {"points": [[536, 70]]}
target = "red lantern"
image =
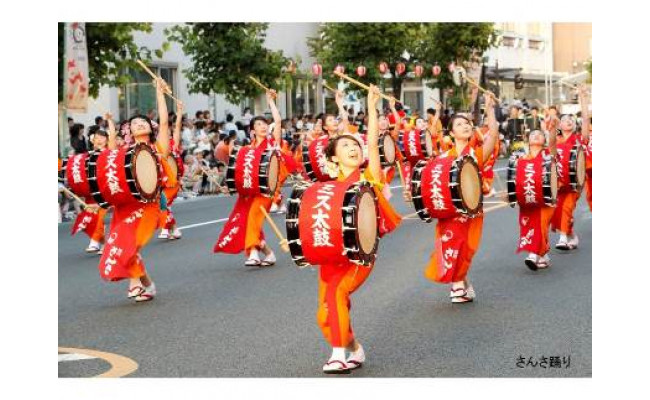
{"points": [[340, 69], [383, 67], [316, 69], [418, 70], [452, 66], [436, 70], [400, 68], [361, 70]]}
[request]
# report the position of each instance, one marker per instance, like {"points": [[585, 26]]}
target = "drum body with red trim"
{"points": [[253, 171], [571, 166], [314, 159], [74, 175], [124, 176], [175, 162], [333, 223], [445, 187], [387, 150], [417, 145], [532, 182]]}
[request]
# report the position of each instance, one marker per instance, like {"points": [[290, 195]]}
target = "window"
{"points": [[139, 95], [535, 44], [414, 99], [508, 41]]}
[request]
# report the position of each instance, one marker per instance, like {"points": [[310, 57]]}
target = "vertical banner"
{"points": [[76, 67]]}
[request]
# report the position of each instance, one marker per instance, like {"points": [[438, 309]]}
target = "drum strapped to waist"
{"points": [[532, 183], [387, 150], [253, 171], [576, 165], [175, 163], [445, 188], [314, 160], [333, 223], [74, 174], [124, 176], [417, 144]]}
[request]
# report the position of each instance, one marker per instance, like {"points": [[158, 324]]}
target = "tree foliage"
{"points": [[111, 49], [224, 55]]}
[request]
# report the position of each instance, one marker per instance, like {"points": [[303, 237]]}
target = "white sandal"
{"points": [[269, 260], [336, 367], [134, 292], [356, 359], [253, 259]]}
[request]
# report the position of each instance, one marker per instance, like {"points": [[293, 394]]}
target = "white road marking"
{"points": [[74, 357], [202, 223]]}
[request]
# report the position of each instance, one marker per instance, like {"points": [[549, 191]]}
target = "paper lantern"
{"points": [[383, 67], [452, 66], [400, 68], [418, 70], [361, 70], [316, 69], [436, 70], [340, 69]]}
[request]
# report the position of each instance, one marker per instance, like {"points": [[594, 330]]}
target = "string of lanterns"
{"points": [[400, 69]]}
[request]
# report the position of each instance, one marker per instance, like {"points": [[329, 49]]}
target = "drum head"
{"points": [[146, 173], [470, 185], [367, 223], [428, 142], [581, 167], [389, 149], [554, 180], [273, 173], [171, 161]]}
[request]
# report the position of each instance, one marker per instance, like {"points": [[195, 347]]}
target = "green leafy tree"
{"points": [[351, 44], [111, 49], [461, 43], [224, 55], [368, 44]]}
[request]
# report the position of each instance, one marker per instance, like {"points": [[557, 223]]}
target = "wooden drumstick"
{"points": [[471, 82], [325, 85], [168, 91], [284, 244], [401, 174], [74, 196], [362, 85]]}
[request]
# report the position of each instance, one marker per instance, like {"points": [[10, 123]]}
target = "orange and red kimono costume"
{"points": [[131, 228], [338, 281], [456, 239], [567, 199], [534, 222]]}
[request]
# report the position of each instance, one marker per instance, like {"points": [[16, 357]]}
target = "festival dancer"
{"points": [[171, 187], [244, 229], [567, 198], [91, 219], [134, 224], [337, 282], [534, 221], [466, 232]]}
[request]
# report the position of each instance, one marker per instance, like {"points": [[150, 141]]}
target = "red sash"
{"points": [[86, 221]]}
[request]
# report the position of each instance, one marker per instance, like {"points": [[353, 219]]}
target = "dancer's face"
{"points": [[461, 129], [140, 126], [348, 153]]}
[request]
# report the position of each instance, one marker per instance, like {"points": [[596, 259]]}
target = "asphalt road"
{"points": [[213, 317]]}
